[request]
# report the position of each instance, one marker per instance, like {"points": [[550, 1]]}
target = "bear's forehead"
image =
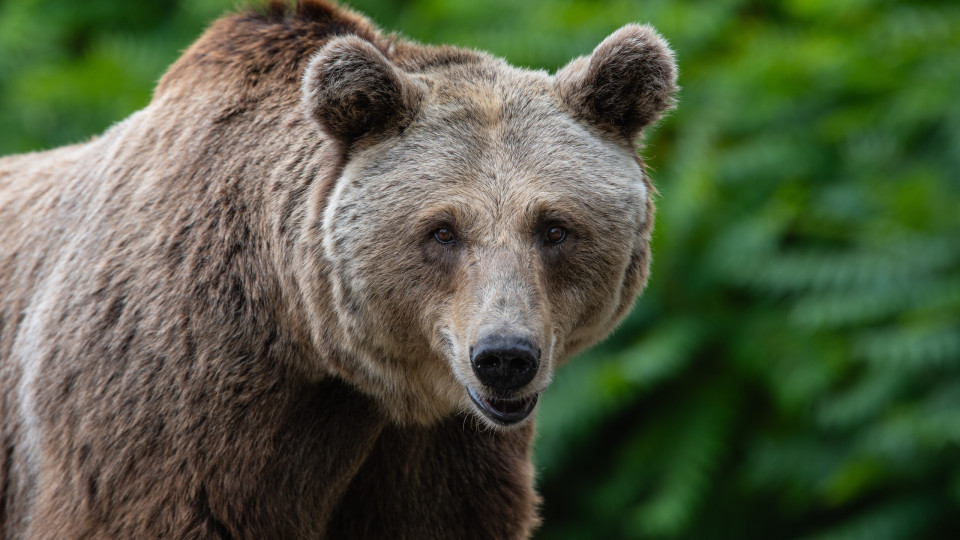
{"points": [[489, 92], [504, 130], [528, 158], [489, 129], [465, 141]]}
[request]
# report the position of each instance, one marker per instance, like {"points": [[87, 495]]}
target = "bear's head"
{"points": [[487, 222]]}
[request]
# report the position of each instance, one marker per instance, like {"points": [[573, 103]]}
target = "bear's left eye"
{"points": [[556, 235], [444, 235]]}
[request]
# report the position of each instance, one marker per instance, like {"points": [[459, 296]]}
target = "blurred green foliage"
{"points": [[793, 370]]}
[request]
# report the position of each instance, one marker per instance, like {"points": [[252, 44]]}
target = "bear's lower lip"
{"points": [[505, 412]]}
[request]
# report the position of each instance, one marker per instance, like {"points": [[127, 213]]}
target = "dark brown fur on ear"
{"points": [[351, 89], [625, 85]]}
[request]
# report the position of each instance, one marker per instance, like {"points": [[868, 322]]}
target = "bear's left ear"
{"points": [[352, 90], [625, 85]]}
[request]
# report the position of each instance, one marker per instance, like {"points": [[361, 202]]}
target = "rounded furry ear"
{"points": [[352, 90], [625, 85]]}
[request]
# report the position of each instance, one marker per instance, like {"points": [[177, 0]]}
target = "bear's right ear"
{"points": [[625, 85], [351, 89]]}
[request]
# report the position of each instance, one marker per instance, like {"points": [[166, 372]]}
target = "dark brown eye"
{"points": [[444, 235], [556, 235]]}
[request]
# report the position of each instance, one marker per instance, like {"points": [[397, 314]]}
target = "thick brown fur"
{"points": [[226, 317]]}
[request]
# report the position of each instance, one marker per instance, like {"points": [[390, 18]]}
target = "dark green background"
{"points": [[793, 370]]}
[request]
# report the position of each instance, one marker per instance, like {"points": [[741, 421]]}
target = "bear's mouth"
{"points": [[505, 412]]}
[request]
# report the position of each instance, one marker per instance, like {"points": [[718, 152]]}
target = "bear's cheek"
{"points": [[403, 285], [581, 291]]}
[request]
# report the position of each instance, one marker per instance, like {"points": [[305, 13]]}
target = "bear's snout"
{"points": [[504, 363]]}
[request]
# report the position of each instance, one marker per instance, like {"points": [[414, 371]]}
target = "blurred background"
{"points": [[793, 369]]}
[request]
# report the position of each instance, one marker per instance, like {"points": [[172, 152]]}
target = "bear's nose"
{"points": [[505, 362]]}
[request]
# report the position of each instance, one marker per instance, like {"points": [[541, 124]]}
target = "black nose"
{"points": [[504, 362]]}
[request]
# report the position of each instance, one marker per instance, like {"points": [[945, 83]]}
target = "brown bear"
{"points": [[315, 287]]}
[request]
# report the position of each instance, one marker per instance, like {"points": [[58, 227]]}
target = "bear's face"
{"points": [[488, 223]]}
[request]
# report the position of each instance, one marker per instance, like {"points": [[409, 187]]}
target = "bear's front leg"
{"points": [[456, 479]]}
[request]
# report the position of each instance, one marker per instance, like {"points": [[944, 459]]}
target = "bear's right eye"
{"points": [[556, 235], [444, 235]]}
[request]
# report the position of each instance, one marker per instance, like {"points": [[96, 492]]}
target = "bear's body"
{"points": [[215, 322]]}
